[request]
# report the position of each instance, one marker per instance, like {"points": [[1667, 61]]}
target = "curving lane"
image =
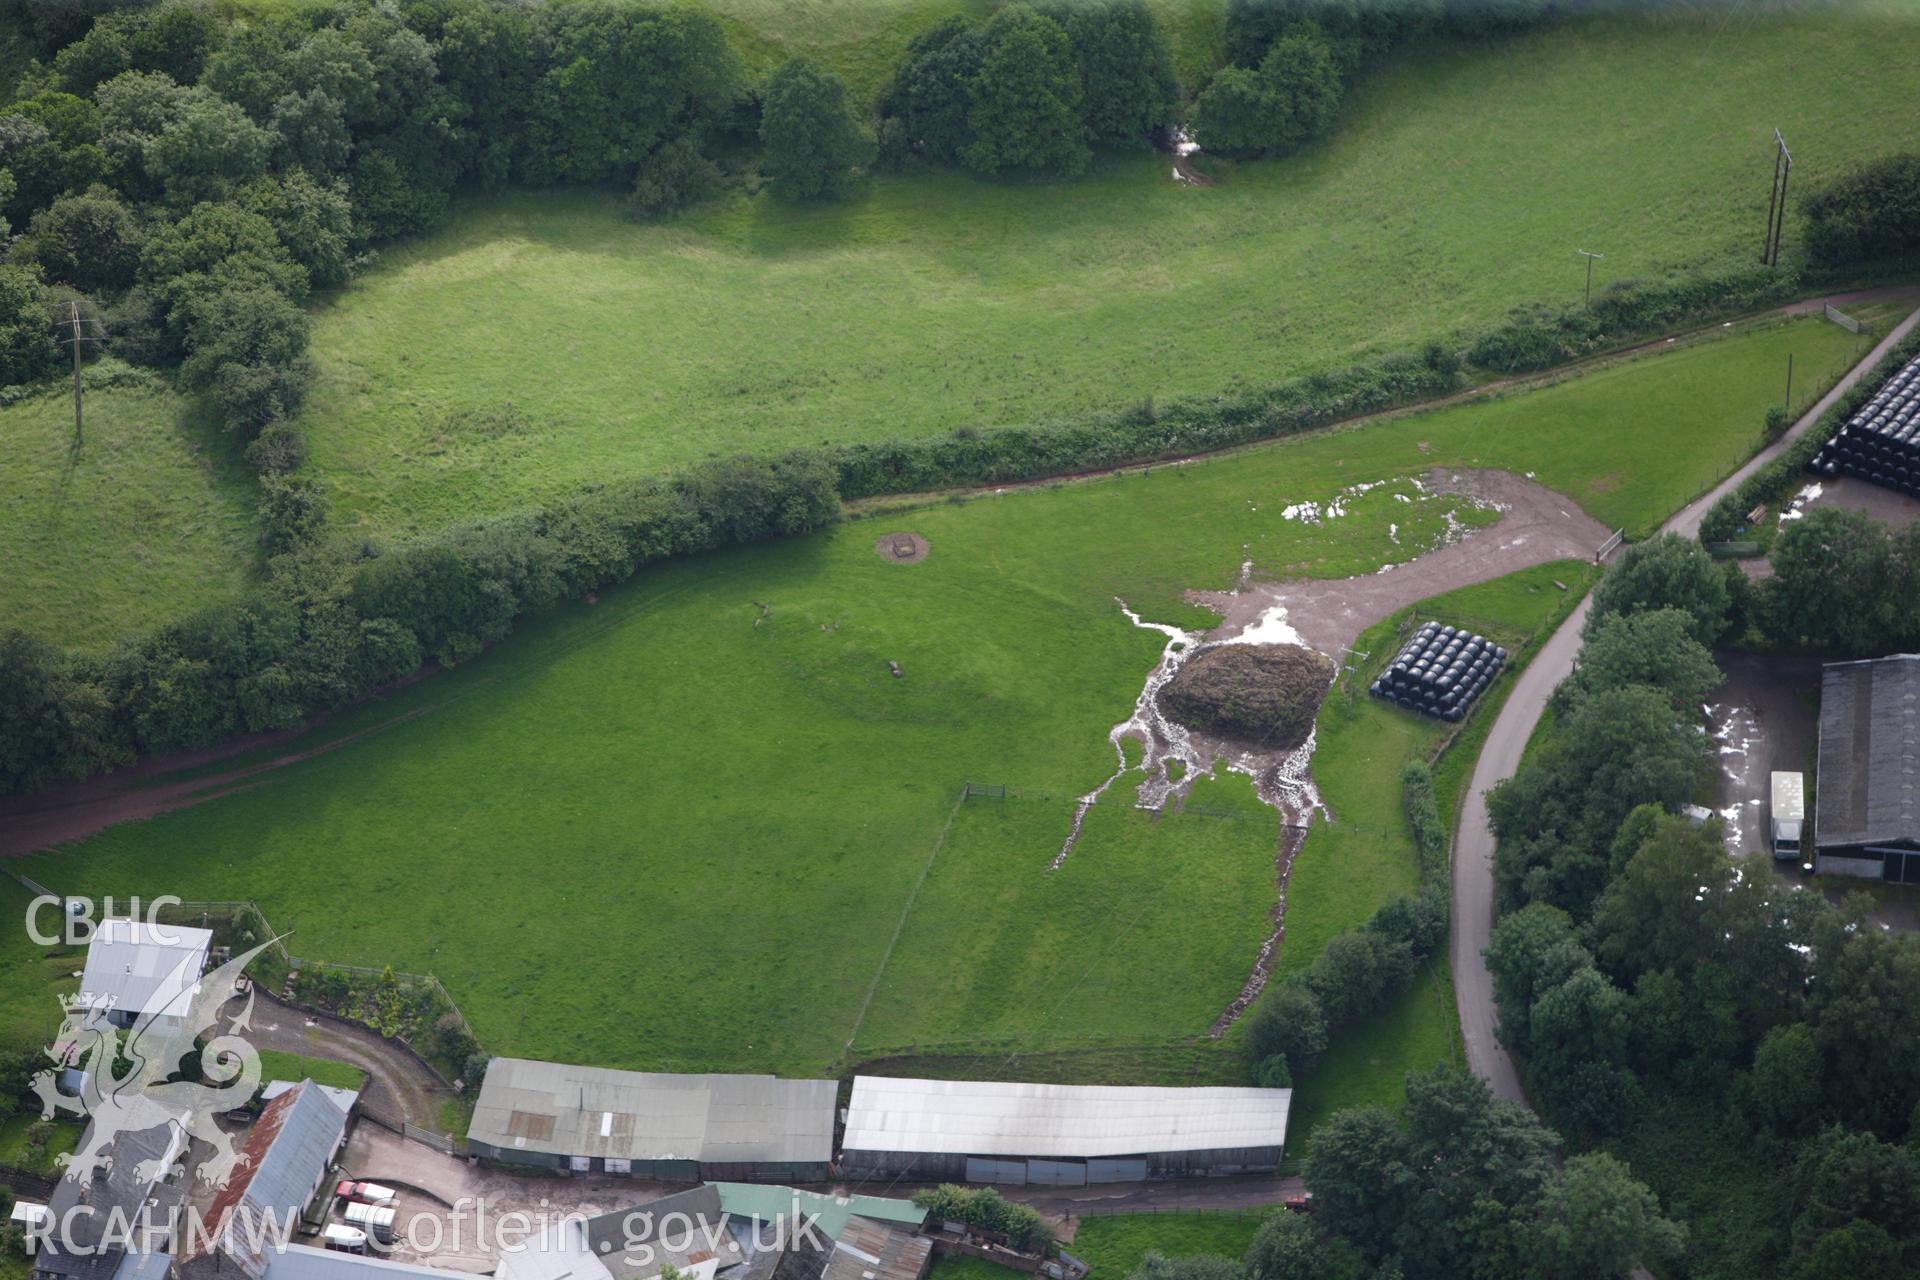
{"points": [[1472, 923]]}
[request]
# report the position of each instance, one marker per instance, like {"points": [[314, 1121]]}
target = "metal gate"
{"points": [[1056, 1173], [1903, 866], [1116, 1171], [1010, 1172]]}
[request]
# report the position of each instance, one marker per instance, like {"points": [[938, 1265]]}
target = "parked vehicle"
{"points": [[366, 1192], [1299, 1202], [1789, 814], [344, 1239], [376, 1220]]}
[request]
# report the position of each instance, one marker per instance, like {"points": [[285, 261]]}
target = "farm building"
{"points": [[1058, 1135], [135, 968], [282, 1166], [116, 1226], [1866, 820], [736, 1231], [650, 1125]]}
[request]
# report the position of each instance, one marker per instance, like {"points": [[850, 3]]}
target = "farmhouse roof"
{"points": [[91, 1221], [959, 1117], [136, 967], [303, 1262], [1869, 790], [553, 1107]]}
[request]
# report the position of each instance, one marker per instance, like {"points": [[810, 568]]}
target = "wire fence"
{"points": [[207, 910]]}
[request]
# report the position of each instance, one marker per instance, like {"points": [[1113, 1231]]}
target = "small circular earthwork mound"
{"points": [[901, 548], [1265, 694]]}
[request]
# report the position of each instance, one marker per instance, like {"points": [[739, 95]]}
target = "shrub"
{"points": [[1289, 1024], [27, 349], [91, 241], [1273, 1073], [1871, 212], [1780, 477], [987, 1210], [293, 510], [814, 142], [673, 177], [278, 449]]}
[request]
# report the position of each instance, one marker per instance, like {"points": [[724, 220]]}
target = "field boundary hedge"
{"points": [[1778, 478], [333, 622]]}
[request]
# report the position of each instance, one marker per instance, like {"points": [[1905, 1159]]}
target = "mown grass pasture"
{"points": [[148, 518], [674, 830], [542, 339]]}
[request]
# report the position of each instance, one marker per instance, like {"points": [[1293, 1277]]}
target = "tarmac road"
{"points": [[1473, 841]]}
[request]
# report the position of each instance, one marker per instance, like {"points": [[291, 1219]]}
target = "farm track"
{"points": [[1472, 922]]}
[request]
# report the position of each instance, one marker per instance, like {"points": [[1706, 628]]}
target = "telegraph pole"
{"points": [[1777, 200], [1590, 257], [75, 323]]}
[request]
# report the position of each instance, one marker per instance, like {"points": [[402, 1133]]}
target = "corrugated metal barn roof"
{"points": [[302, 1262], [952, 1117], [138, 968], [638, 1115], [1869, 784], [764, 1202], [282, 1159]]}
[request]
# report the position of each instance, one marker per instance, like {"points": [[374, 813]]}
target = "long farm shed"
{"points": [[1058, 1135], [739, 1128]]}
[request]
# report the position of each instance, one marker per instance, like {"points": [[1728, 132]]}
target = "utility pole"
{"points": [[1590, 257], [75, 323], [1777, 201], [1789, 401]]}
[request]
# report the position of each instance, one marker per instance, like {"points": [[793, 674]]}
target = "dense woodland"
{"points": [[1749, 1045]]}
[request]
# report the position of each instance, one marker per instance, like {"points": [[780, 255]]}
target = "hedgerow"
{"points": [[1787, 472]]}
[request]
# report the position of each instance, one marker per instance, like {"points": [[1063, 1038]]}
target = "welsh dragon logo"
{"points": [[131, 1085]]}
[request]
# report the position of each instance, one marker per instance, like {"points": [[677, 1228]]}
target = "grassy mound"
{"points": [[1259, 693]]}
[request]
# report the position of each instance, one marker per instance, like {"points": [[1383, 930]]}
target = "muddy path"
{"points": [[1536, 525], [1181, 149]]}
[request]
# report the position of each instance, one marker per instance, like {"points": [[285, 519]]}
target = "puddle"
{"points": [[1796, 507], [1533, 525]]}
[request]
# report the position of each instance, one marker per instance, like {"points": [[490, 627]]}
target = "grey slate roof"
{"points": [[136, 967], [637, 1242], [86, 1243], [302, 1262], [1869, 783], [636, 1115]]}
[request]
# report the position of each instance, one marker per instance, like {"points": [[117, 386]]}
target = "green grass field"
{"points": [[863, 40], [541, 339], [275, 1065], [148, 519], [1114, 1244], [737, 811], [16, 1153]]}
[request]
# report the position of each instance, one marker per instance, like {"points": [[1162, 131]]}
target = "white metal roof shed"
{"points": [[134, 967], [964, 1117]]}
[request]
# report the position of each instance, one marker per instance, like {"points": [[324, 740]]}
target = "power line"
{"points": [[1777, 201], [77, 336]]}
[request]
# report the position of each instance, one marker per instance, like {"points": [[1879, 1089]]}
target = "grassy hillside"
{"points": [[735, 807], [862, 40], [542, 339], [149, 518]]}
